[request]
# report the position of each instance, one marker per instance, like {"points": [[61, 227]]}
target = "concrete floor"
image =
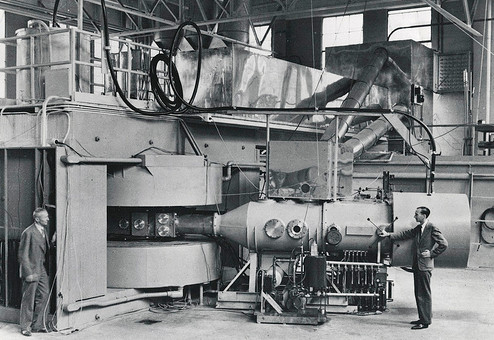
{"points": [[463, 306]]}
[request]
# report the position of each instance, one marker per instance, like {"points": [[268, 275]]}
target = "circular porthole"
{"points": [[333, 237], [274, 228], [297, 229]]}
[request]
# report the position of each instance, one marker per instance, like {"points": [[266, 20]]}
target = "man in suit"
{"points": [[33, 248], [428, 243]]}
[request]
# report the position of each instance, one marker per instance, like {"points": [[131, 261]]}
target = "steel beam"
{"points": [[452, 18]]}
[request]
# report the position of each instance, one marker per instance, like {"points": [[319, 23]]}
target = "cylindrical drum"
{"points": [[31, 51]]}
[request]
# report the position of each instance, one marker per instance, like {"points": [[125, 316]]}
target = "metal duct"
{"points": [[238, 30], [164, 39], [360, 90], [367, 137], [333, 91]]}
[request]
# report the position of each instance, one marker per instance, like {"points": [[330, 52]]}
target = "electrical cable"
{"points": [[483, 225], [156, 87], [173, 49], [55, 10], [113, 74]]}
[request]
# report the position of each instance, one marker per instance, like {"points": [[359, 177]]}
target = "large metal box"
{"points": [[166, 180], [302, 169], [239, 77], [411, 63]]}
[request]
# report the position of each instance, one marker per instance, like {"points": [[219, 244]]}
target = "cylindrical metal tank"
{"points": [[38, 45], [271, 225], [344, 225], [450, 213], [351, 225], [239, 29], [283, 226], [31, 51]]}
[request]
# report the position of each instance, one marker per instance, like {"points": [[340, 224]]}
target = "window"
{"points": [[261, 34], [400, 22], [342, 30], [2, 55]]}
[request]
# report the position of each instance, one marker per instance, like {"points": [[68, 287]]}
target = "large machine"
{"points": [[140, 209]]}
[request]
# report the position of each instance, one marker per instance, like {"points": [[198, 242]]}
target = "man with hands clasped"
{"points": [[33, 248], [428, 243]]}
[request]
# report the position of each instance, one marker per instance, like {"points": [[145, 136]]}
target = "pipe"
{"points": [[335, 162], [238, 30], [73, 159], [73, 307], [367, 137], [413, 175], [6, 225], [333, 91], [8, 107], [31, 23], [488, 67], [195, 224], [44, 119], [68, 124], [229, 165], [360, 90]]}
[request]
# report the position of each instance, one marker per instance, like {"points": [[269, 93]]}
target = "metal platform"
{"points": [[310, 316]]}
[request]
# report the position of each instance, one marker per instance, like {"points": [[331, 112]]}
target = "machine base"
{"points": [[162, 264], [310, 316]]}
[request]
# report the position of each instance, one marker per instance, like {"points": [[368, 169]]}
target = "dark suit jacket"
{"points": [[32, 251], [431, 240]]}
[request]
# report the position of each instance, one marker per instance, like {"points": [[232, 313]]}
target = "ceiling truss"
{"points": [[146, 17]]}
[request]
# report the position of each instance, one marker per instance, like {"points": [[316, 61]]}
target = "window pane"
{"points": [[261, 31], [410, 17], [2, 54], [342, 30]]}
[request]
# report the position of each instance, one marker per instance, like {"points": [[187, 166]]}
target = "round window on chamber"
{"points": [[297, 229], [274, 228]]}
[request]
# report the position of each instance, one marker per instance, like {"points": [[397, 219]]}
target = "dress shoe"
{"points": [[41, 330], [25, 332], [416, 322], [420, 326]]}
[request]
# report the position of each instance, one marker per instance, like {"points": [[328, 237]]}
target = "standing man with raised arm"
{"points": [[428, 243], [35, 287]]}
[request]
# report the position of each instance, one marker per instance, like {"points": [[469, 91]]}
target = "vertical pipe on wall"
{"points": [[5, 229], [488, 65], [266, 179], [335, 166], [80, 15]]}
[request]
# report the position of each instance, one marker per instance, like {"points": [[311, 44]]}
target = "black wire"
{"points": [[71, 148], [113, 73], [296, 128], [173, 49], [484, 225], [410, 140], [155, 148], [55, 10], [161, 97]]}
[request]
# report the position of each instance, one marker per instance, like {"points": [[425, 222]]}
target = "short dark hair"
{"points": [[37, 211], [424, 211]]}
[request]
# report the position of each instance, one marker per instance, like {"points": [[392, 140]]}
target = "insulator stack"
{"points": [[364, 283]]}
